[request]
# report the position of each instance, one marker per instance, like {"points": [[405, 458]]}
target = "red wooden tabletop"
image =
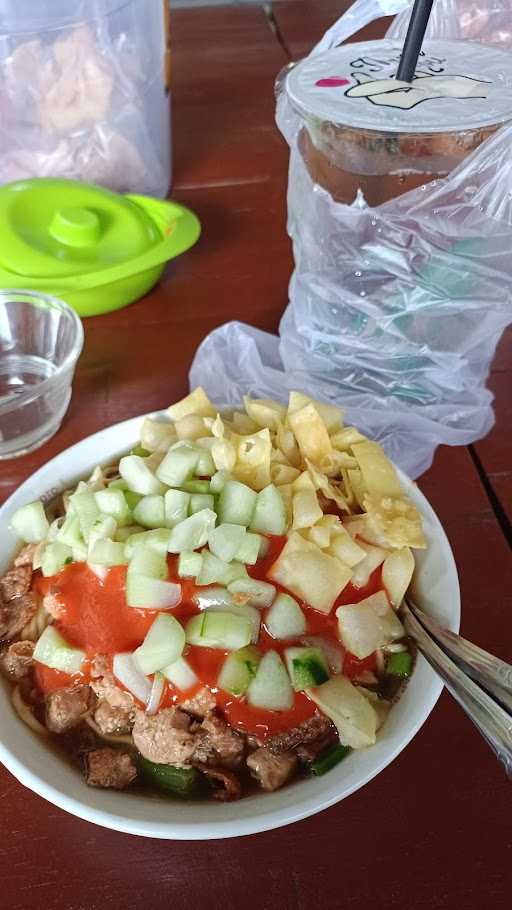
{"points": [[433, 829]]}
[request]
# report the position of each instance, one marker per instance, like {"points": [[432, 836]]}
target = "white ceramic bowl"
{"points": [[42, 770]]}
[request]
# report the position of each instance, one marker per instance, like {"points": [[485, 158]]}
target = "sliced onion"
{"points": [[127, 672], [101, 572], [155, 697], [334, 653], [213, 597]]}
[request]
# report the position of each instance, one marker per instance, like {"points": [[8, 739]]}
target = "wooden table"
{"points": [[431, 831]]}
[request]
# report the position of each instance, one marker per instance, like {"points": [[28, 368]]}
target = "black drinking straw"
{"points": [[414, 39]]}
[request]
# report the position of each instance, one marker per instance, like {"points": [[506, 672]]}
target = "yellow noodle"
{"points": [[25, 713]]}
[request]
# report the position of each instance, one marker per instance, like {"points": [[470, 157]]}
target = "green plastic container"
{"points": [[96, 250]]}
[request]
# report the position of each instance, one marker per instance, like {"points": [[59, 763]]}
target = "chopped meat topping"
{"points": [[66, 707], [173, 737], [16, 582], [26, 556], [227, 787], [201, 704], [16, 659], [113, 720], [253, 741], [109, 768], [271, 771], [165, 737], [218, 744], [15, 614], [307, 732]]}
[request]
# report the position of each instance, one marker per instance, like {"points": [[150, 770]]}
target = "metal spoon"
{"points": [[456, 661]]}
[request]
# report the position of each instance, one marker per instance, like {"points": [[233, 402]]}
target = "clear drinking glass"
{"points": [[41, 339]]}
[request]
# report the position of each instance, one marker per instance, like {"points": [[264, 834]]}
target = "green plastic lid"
{"points": [[95, 249]]}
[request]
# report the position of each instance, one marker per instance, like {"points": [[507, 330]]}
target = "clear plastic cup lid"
{"points": [[458, 85]]}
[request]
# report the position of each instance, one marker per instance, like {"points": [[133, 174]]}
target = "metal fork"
{"points": [[480, 682]]}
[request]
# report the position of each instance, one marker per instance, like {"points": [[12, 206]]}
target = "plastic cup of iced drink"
{"points": [[364, 130]]}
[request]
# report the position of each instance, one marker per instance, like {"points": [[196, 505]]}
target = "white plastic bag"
{"points": [[395, 312]]}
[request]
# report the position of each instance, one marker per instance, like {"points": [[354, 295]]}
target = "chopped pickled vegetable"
{"points": [[399, 665], [329, 759]]}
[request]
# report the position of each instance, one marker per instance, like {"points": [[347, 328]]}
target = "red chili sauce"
{"points": [[95, 617]]}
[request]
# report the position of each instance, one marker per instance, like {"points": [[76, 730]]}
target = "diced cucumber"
{"points": [[205, 466], [236, 503], [193, 532], [55, 652], [189, 564], [182, 782], [218, 629], [85, 507], [307, 667], [399, 664], [271, 688], [70, 532], [329, 759], [219, 480], [269, 512], [285, 618], [79, 552], [176, 504], [264, 546], [140, 450], [178, 465], [199, 501], [148, 561], [107, 553], [236, 570], [201, 487], [139, 476], [124, 534], [225, 540], [212, 598], [213, 570], [250, 613], [30, 522], [157, 540], [55, 556], [162, 645], [257, 593], [238, 670], [149, 512], [180, 674], [151, 593], [133, 498], [118, 484], [55, 527], [104, 527], [113, 503], [249, 550]]}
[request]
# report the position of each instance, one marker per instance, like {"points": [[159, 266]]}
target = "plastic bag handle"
{"points": [[361, 13]]}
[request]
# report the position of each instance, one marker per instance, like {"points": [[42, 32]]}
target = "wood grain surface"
{"points": [[433, 830]]}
